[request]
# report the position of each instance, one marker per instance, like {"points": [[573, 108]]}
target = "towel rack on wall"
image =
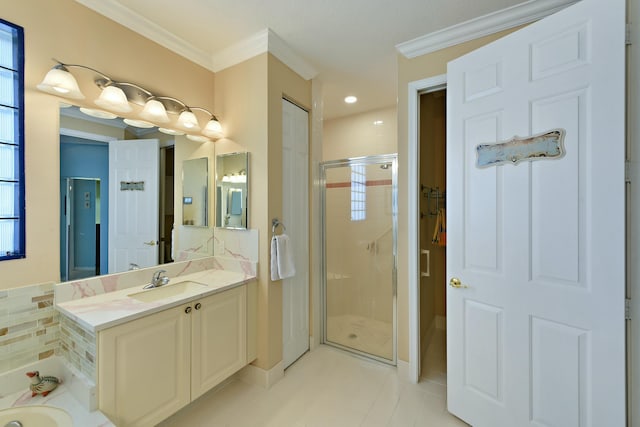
{"points": [[275, 222], [436, 199]]}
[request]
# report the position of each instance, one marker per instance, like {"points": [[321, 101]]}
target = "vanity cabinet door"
{"points": [[219, 339], [143, 368]]}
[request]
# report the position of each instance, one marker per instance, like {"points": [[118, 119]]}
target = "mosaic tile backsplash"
{"points": [[29, 325]]}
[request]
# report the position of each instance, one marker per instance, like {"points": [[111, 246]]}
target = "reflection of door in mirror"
{"points": [[84, 153], [81, 246], [195, 192]]}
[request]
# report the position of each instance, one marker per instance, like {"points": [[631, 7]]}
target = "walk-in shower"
{"points": [[359, 219]]}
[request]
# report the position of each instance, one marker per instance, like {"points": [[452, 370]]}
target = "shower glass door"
{"points": [[359, 227]]}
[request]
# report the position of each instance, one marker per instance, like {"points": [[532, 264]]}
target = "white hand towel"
{"points": [[274, 259], [285, 257]]}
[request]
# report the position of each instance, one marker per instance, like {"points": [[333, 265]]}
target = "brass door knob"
{"points": [[150, 243], [456, 283]]}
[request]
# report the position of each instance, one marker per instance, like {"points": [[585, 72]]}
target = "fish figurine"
{"points": [[42, 385]]}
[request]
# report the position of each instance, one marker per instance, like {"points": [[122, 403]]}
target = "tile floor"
{"points": [[330, 388]]}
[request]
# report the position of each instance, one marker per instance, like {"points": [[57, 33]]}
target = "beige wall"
{"points": [[409, 70], [356, 135], [249, 97], [72, 33]]}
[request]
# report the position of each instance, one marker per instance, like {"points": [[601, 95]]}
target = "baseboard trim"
{"points": [[251, 374], [404, 371]]}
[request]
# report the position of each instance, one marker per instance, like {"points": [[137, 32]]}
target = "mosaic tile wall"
{"points": [[78, 347], [29, 325]]}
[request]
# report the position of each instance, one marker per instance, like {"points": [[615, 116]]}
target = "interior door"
{"points": [[133, 203], [537, 338], [295, 217]]}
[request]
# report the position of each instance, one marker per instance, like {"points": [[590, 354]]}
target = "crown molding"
{"points": [[115, 11], [281, 50], [260, 42], [253, 45], [263, 41], [491, 23]]}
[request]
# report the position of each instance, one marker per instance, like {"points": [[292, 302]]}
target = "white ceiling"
{"points": [[349, 43]]}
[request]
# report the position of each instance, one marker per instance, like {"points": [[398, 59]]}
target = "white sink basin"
{"points": [[36, 416], [167, 291]]}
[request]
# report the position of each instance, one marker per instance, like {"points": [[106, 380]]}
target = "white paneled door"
{"points": [[295, 217], [133, 203], [536, 330]]}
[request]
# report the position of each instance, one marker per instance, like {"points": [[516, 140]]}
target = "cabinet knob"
{"points": [[187, 310], [198, 305]]}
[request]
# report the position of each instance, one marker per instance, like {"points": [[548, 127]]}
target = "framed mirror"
{"points": [[195, 192], [232, 190]]}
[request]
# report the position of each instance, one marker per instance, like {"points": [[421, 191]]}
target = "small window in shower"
{"points": [[358, 193]]}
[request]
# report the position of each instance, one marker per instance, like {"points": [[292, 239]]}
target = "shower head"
{"points": [[385, 166]]}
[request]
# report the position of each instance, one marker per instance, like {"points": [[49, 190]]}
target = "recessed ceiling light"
{"points": [[378, 123], [351, 99]]}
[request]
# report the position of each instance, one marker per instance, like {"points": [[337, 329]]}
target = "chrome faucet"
{"points": [[157, 280]]}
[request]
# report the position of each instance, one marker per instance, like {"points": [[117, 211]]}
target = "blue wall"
{"points": [[81, 158]]}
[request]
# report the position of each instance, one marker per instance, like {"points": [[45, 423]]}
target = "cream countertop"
{"points": [[110, 309]]}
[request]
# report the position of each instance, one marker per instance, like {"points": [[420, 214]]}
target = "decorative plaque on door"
{"points": [[547, 145]]}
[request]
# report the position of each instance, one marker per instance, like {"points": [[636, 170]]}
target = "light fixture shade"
{"points": [[154, 111], [170, 131], [98, 113], [59, 81], [213, 128], [113, 98], [188, 120], [198, 138], [138, 123]]}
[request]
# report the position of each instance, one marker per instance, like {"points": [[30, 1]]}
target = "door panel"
{"points": [[539, 244], [133, 214], [295, 217]]}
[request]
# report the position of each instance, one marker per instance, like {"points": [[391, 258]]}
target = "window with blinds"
{"points": [[358, 193], [12, 209]]}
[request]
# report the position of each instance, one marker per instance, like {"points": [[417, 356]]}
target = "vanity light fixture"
{"points": [[154, 111], [59, 81], [116, 97], [113, 98], [188, 120]]}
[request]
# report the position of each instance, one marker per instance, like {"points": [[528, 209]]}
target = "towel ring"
{"points": [[275, 222]]}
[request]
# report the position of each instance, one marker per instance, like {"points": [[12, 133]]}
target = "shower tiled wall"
{"points": [[29, 325]]}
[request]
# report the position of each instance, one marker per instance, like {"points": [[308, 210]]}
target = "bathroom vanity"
{"points": [[159, 349]]}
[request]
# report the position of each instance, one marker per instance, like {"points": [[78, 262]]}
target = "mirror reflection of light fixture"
{"points": [[138, 123], [116, 97], [170, 131], [98, 113], [198, 138]]}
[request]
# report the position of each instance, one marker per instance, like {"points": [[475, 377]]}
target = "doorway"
{"points": [[80, 254], [359, 217], [432, 123]]}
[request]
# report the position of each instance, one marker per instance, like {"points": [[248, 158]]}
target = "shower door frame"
{"points": [[364, 161]]}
